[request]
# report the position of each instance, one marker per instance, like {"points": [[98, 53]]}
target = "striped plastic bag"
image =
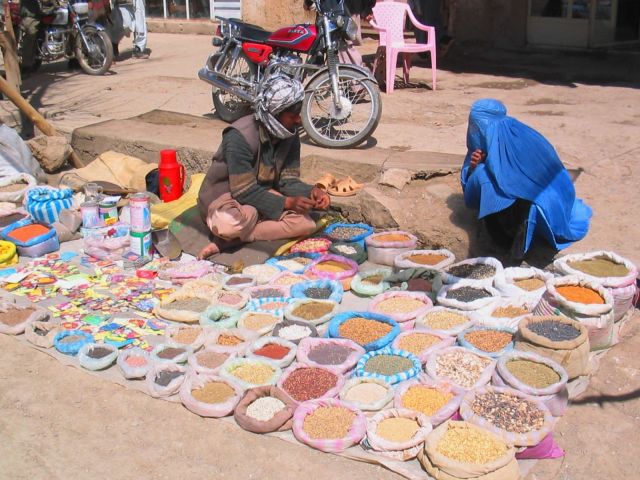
{"points": [[46, 203]]}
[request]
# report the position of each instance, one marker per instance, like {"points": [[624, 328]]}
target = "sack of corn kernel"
{"points": [[280, 351], [579, 299], [332, 267], [367, 394], [437, 400], [384, 247], [504, 313], [371, 282], [433, 259], [478, 271], [315, 312], [617, 274], [41, 333], [459, 450], [467, 295], [422, 343], [402, 306], [352, 251], [265, 410], [397, 433], [328, 425], [527, 282], [209, 395], [534, 375], [14, 319], [164, 380], [180, 307], [338, 353], [248, 373], [560, 339]]}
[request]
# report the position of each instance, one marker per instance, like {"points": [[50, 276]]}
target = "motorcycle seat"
{"points": [[252, 33]]}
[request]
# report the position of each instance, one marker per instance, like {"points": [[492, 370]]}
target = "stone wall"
{"points": [[273, 14]]}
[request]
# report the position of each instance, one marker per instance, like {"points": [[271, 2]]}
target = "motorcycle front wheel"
{"points": [[354, 122], [97, 59], [229, 107]]}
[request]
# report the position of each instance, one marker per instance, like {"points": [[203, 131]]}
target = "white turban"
{"points": [[278, 93]]}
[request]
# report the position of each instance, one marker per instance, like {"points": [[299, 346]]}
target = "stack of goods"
{"points": [[504, 313], [14, 319], [492, 342], [239, 281], [337, 353], [264, 410], [164, 380], [281, 352], [230, 298], [134, 363], [392, 366], [384, 247], [446, 321], [296, 263], [467, 295], [318, 290], [207, 361], [250, 372], [263, 291], [140, 225], [422, 343], [170, 353], [352, 251], [529, 282], [461, 367], [262, 273], [220, 316], [94, 356], [261, 323], [8, 254]]}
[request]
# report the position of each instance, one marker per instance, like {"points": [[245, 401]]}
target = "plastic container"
{"points": [[171, 176], [36, 246]]}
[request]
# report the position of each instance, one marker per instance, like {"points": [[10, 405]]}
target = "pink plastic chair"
{"points": [[389, 20]]}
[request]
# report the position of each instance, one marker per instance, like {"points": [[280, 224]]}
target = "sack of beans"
{"points": [[384, 247], [14, 319], [467, 295], [337, 353], [70, 342], [445, 321], [208, 362], [434, 259], [265, 410], [318, 290], [263, 273], [504, 313], [371, 331], [348, 232], [371, 282], [460, 450], [133, 363], [526, 282], [329, 425], [164, 380], [97, 356], [232, 340], [534, 375], [438, 401], [209, 395], [579, 299], [517, 418], [219, 316], [273, 305], [294, 331], [192, 335], [420, 280], [315, 312], [461, 367], [304, 382], [392, 366], [560, 339], [280, 351], [239, 281], [613, 272], [367, 394], [489, 341], [480, 271], [333, 267], [260, 322], [352, 251], [179, 307], [397, 433], [250, 372], [41, 333], [422, 343], [202, 287], [311, 245], [294, 263], [402, 306]]}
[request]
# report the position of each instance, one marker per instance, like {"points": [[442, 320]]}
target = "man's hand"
{"points": [[299, 204], [321, 198], [477, 157]]}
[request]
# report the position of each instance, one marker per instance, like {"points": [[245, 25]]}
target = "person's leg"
{"points": [[290, 225], [140, 29]]}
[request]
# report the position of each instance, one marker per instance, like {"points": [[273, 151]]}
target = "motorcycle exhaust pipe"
{"points": [[214, 79]]}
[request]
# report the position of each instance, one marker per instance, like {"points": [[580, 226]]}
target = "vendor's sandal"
{"points": [[345, 188], [325, 182]]}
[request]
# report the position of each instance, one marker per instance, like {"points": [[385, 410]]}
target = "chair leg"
{"points": [[406, 66], [434, 69], [392, 60]]}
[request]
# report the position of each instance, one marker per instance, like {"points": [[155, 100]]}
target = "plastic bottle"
{"points": [[170, 176]]}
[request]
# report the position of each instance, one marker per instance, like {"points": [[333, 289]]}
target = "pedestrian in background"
{"points": [[128, 16]]}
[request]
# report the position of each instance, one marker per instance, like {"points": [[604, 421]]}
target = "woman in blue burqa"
{"points": [[516, 180]]}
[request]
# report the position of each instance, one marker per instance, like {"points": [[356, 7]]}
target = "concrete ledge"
{"points": [[193, 27]]}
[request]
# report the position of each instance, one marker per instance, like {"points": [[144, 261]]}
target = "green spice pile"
{"points": [[508, 412], [388, 364], [534, 374], [462, 368], [600, 267], [477, 271]]}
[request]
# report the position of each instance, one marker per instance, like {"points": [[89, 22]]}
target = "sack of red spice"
{"points": [[280, 351], [280, 420], [398, 448]]}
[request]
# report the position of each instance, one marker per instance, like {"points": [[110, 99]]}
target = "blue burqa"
{"points": [[521, 163]]}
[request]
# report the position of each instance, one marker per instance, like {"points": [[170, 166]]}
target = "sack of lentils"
{"points": [[492, 342], [560, 339], [41, 334], [219, 316], [436, 400], [14, 319], [367, 394], [263, 273], [170, 353], [306, 382], [457, 450], [133, 363], [209, 395], [384, 247], [280, 351], [435, 259], [193, 336], [164, 380], [250, 372], [97, 356], [517, 418], [318, 290], [294, 263], [534, 375], [579, 299], [349, 232], [422, 343], [208, 362], [352, 251], [613, 272], [445, 321], [315, 312], [184, 308], [526, 282], [371, 282], [397, 433], [504, 313], [265, 410], [294, 331], [337, 353], [232, 340], [480, 271], [392, 366], [461, 367], [371, 331], [401, 306], [261, 323], [467, 295], [329, 425]]}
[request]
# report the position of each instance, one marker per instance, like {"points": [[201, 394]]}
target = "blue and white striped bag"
{"points": [[44, 204]]}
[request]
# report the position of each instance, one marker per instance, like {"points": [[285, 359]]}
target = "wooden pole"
{"points": [[33, 115], [10, 50]]}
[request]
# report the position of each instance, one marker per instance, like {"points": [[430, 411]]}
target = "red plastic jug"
{"points": [[171, 176]]}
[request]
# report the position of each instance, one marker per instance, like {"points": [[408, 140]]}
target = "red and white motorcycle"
{"points": [[342, 105]]}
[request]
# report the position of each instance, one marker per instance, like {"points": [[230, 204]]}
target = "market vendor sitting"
{"points": [[516, 180], [253, 190]]}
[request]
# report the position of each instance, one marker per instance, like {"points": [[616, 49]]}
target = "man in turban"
{"points": [[253, 190]]}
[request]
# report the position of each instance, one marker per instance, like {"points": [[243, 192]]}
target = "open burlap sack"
{"points": [[280, 422]]}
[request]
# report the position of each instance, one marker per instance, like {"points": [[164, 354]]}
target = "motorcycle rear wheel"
{"points": [[99, 61], [229, 107], [345, 129]]}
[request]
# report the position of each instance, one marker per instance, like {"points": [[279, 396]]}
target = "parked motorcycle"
{"points": [[68, 33], [342, 105]]}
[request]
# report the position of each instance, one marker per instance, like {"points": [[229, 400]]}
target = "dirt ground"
{"points": [[58, 422]]}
